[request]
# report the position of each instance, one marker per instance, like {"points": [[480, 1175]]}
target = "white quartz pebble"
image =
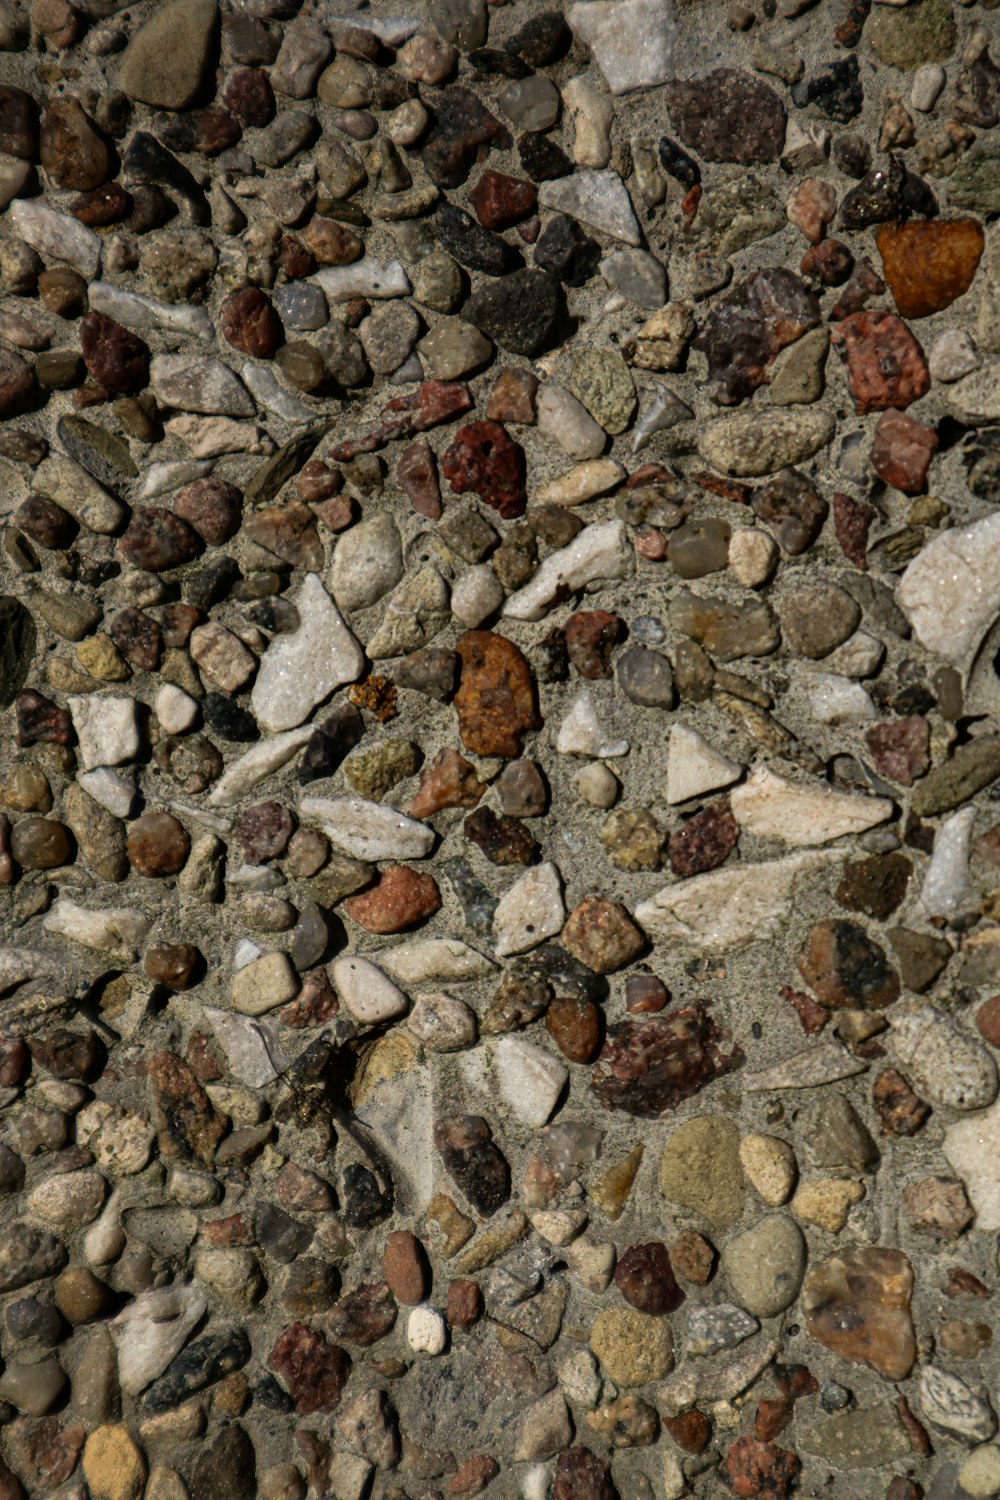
{"points": [[369, 830], [531, 911], [301, 667], [426, 1331], [366, 992]]}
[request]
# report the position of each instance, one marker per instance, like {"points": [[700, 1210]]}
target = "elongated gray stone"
{"points": [[133, 310], [59, 235]]}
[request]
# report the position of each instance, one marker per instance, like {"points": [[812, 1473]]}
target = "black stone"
{"points": [[521, 313], [227, 1468], [677, 164], [146, 161], [471, 245], [205, 586], [280, 1236], [493, 62], [364, 1200], [542, 40], [463, 127], [878, 197], [17, 647], [836, 90], [541, 158], [331, 741], [566, 252], [473, 1161], [852, 154], [227, 720], [200, 1365], [431, 670], [478, 903]]}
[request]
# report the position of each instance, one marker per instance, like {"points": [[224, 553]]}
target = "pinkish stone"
{"points": [[902, 451]]}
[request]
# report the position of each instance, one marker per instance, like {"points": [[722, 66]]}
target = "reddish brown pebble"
{"points": [[901, 748], [811, 206], [885, 364], [590, 637], [844, 967], [486, 461], [13, 1061], [962, 1283], [752, 1468], [901, 452], [72, 152], [138, 638], [704, 841], [690, 1431], [302, 1191], [399, 899], [512, 398], [156, 540], [852, 520], [812, 1016], [365, 1315], [187, 1124], [772, 1417], [296, 260], [901, 1488], [101, 206], [504, 841], [449, 780], [900, 1110], [157, 844], [416, 475], [213, 507], [988, 1020], [248, 93], [581, 1475], [45, 522], [522, 790], [498, 201], [178, 622], [575, 1027], [495, 701], [313, 1371], [289, 531], [602, 935], [928, 263], [939, 1206], [646, 1067], [172, 964], [831, 262], [465, 1303], [692, 1257], [405, 1267], [645, 994], [646, 1280], [250, 323], [40, 721], [331, 243], [115, 358], [650, 543], [263, 831], [315, 1003], [472, 1477], [317, 481]]}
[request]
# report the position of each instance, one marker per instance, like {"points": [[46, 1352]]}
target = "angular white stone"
{"points": [[59, 235], [565, 421], [694, 767], [952, 355], [367, 563], [369, 830], [837, 700], [302, 667], [951, 590], [731, 907], [598, 199], [823, 1062], [67, 483], [632, 40], [531, 911], [197, 382], [805, 816], [529, 1079], [430, 960], [263, 984], [976, 397], [595, 476], [212, 437], [152, 1329], [476, 594], [245, 1046], [268, 392], [107, 728], [942, 1061], [116, 930], [368, 993], [140, 313], [442, 1022], [971, 1148], [110, 789], [947, 878], [602, 551], [949, 1403], [859, 656], [581, 732], [163, 477], [256, 765], [664, 411], [364, 278]]}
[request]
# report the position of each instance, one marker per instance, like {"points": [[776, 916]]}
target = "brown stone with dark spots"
{"points": [[400, 898], [330, 243], [876, 885], [844, 967], [16, 380], [928, 263], [727, 115], [792, 509], [499, 201], [73, 153], [138, 638], [45, 522], [313, 1371], [158, 844], [901, 1111], [417, 477], [40, 721], [495, 701], [504, 841], [812, 1016], [248, 93], [648, 1067], [483, 459], [581, 1475], [901, 452], [472, 1477], [101, 206], [602, 935], [18, 127], [187, 1124], [760, 1471], [465, 1303], [213, 506], [40, 844], [263, 831], [45, 1452], [830, 262], [463, 131], [646, 1280], [885, 364], [172, 964], [901, 748], [705, 840], [852, 521], [250, 323], [364, 1315], [290, 532], [157, 540], [857, 1304], [590, 637], [115, 358], [191, 759], [693, 1257], [575, 1025], [473, 1161], [405, 1267], [512, 398], [938, 1205], [207, 131]]}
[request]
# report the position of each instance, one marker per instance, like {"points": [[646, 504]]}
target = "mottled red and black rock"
{"points": [[495, 701], [705, 840], [290, 532], [40, 721], [852, 521], [602, 935], [464, 129], [250, 323], [901, 1111], [187, 1124], [115, 358], [399, 899], [792, 509], [901, 452], [248, 93], [138, 638], [433, 402], [313, 1370], [843, 966], [830, 262], [763, 1470], [928, 263], [591, 636], [213, 507], [156, 540], [576, 1027], [727, 116], [45, 522], [647, 1067], [504, 841], [581, 1475], [646, 1280], [45, 1452], [364, 1315], [207, 131], [417, 477], [499, 201], [885, 364], [741, 338], [263, 831], [485, 460], [473, 1161], [901, 748], [449, 780]]}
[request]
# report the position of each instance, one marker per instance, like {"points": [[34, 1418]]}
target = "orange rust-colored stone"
{"points": [[495, 701], [928, 263]]}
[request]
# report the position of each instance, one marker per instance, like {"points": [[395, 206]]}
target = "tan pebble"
{"points": [[770, 1166], [826, 1202]]}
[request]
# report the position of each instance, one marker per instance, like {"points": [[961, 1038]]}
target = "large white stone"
{"points": [[107, 728], [582, 733], [731, 907], [197, 382], [245, 1045], [430, 960], [972, 1149], [529, 1079], [151, 1330], [632, 40], [364, 278], [943, 1061], [951, 590], [597, 552], [58, 235], [302, 667], [368, 993], [531, 911], [367, 563], [754, 443], [598, 199], [133, 310], [769, 805], [368, 830], [118, 931], [256, 765], [694, 767]]}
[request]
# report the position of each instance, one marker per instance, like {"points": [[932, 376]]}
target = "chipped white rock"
{"points": [[694, 767], [545, 1429], [928, 81], [265, 983], [105, 1238], [301, 667], [67, 483], [580, 1377], [559, 1226], [632, 40], [442, 1022], [949, 1403], [429, 960], [268, 392], [698, 1383], [824, 1062], [731, 907], [860, 656], [476, 594], [151, 1330], [947, 879], [163, 478], [952, 355], [531, 911], [592, 115], [951, 590], [110, 789], [773, 807], [368, 993], [212, 437], [565, 421], [943, 1062], [581, 732], [58, 235], [118, 931], [367, 563], [141, 314], [256, 765], [529, 1079], [245, 1045], [364, 278], [426, 1331], [598, 199], [664, 411], [971, 1148], [585, 481], [602, 551], [197, 382], [175, 709], [976, 397], [107, 728], [369, 830], [837, 700], [597, 784]]}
